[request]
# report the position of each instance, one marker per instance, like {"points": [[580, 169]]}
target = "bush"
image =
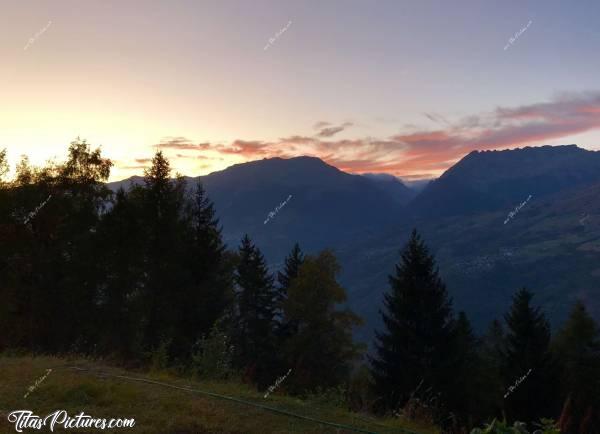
{"points": [[213, 356], [546, 426], [159, 356], [334, 396]]}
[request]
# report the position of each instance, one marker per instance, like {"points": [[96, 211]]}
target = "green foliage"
{"points": [[334, 396], [254, 322], [527, 348], [321, 348], [159, 356], [3, 166], [546, 426], [577, 346], [293, 261], [213, 356], [416, 342]]}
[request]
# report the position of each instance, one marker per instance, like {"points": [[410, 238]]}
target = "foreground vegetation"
{"points": [[159, 409]]}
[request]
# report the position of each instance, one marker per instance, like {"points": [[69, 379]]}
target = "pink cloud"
{"points": [[415, 152]]}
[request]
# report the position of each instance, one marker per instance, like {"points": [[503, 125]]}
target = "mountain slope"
{"points": [[396, 189], [551, 244], [494, 180], [326, 208]]}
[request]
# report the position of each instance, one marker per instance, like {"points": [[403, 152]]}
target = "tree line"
{"points": [[142, 276]]}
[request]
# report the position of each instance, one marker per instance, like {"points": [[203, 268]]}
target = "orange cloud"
{"points": [[425, 152]]}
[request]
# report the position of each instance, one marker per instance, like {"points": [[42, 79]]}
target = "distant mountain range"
{"points": [[551, 244], [327, 207]]}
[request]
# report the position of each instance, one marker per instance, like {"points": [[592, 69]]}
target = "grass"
{"points": [[161, 409]]}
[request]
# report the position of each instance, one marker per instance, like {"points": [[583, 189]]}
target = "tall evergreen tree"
{"points": [[290, 271], [166, 278], [212, 286], [120, 254], [492, 354], [321, 350], [527, 348], [255, 317], [578, 347], [285, 278], [465, 397], [415, 343]]}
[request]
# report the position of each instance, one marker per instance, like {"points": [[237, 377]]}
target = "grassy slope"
{"points": [[159, 409]]}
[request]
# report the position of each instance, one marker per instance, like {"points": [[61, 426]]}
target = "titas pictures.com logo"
{"points": [[25, 419]]}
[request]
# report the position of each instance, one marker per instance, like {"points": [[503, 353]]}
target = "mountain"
{"points": [[550, 243], [394, 187], [313, 203], [485, 181], [416, 185], [496, 221]]}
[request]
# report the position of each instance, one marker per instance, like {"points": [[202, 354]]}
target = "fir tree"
{"points": [[492, 356], [464, 398], [292, 264], [285, 278], [527, 365], [255, 319], [120, 241], [211, 286], [166, 278], [416, 341], [578, 348]]}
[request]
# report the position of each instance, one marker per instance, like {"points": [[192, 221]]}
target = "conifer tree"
{"points": [[285, 278], [464, 398], [527, 364], [166, 277], [212, 286], [255, 316], [120, 253], [492, 355], [415, 344], [292, 264], [578, 347]]}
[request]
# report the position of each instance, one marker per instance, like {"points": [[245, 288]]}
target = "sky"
{"points": [[400, 87]]}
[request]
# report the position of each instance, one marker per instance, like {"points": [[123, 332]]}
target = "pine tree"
{"points": [[255, 317], [285, 278], [120, 242], [321, 350], [292, 264], [492, 354], [415, 344], [211, 289], [464, 398], [527, 365], [578, 348], [166, 278]]}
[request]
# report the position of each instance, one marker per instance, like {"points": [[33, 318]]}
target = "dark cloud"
{"points": [[438, 119], [331, 131], [181, 143], [320, 125]]}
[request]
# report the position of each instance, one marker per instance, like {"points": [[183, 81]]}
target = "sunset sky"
{"points": [[403, 87]]}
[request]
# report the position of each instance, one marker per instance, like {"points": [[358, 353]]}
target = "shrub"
{"points": [[547, 426], [213, 356], [159, 356]]}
